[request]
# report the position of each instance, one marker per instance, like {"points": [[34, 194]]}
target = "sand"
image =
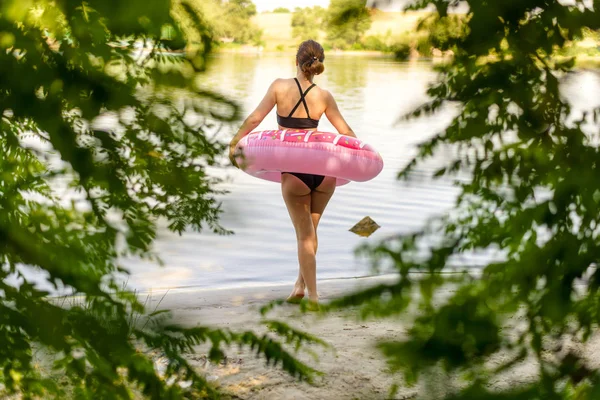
{"points": [[353, 368]]}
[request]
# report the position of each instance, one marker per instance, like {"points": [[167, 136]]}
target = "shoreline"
{"points": [[581, 61], [334, 281], [179, 298]]}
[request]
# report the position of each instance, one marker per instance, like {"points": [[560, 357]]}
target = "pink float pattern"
{"points": [[266, 154]]}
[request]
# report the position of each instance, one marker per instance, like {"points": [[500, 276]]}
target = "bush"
{"points": [[525, 163], [443, 33], [72, 65], [346, 22], [375, 43], [401, 51], [227, 19], [357, 46]]}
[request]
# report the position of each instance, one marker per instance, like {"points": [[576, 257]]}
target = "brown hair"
{"points": [[310, 58]]}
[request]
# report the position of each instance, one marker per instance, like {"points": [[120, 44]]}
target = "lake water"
{"points": [[372, 94]]}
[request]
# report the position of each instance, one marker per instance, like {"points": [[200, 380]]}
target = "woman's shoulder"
{"points": [[279, 83], [325, 93]]}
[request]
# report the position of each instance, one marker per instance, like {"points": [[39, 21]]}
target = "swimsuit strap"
{"points": [[302, 95]]}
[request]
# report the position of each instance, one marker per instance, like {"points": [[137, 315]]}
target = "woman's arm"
{"points": [[254, 119], [335, 116]]}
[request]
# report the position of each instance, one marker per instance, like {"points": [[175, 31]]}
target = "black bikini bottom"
{"points": [[310, 180]]}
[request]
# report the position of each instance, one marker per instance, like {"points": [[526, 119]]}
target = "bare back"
{"points": [[284, 95], [288, 95], [318, 101]]}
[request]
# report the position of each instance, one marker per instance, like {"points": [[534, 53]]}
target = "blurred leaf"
{"points": [[108, 91], [528, 192]]}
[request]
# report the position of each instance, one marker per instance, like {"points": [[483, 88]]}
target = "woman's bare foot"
{"points": [[297, 294]]}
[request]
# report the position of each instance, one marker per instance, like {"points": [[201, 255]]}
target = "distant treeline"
{"points": [[344, 25], [341, 26]]}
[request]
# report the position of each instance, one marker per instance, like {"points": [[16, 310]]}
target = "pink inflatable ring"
{"points": [[267, 154]]}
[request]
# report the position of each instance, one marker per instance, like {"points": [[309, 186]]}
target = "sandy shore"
{"points": [[353, 368]]}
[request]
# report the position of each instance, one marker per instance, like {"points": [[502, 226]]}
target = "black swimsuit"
{"points": [[299, 123], [310, 180]]}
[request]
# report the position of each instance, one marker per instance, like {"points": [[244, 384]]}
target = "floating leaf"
{"points": [[365, 227]]}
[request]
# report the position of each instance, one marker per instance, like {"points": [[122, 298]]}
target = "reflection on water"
{"points": [[347, 78], [372, 93]]}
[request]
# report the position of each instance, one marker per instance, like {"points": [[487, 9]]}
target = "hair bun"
{"points": [[310, 58], [313, 67]]}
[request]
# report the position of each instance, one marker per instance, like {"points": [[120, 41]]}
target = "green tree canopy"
{"points": [[440, 31], [228, 19], [235, 22], [82, 107], [346, 22], [281, 10], [242, 8], [307, 22], [531, 191]]}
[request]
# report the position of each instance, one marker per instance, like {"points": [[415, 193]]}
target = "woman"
{"points": [[305, 195]]}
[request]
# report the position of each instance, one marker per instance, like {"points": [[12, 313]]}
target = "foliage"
{"points": [[399, 46], [532, 193], [98, 140], [441, 31], [229, 19], [281, 10], [401, 50], [346, 22], [243, 8], [433, 33], [378, 43], [235, 21], [307, 22], [577, 48]]}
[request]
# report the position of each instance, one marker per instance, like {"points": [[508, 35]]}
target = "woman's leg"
{"points": [[297, 197], [319, 199], [305, 210]]}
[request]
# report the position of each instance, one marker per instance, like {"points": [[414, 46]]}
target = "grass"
{"points": [[43, 358], [277, 30], [134, 318]]}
